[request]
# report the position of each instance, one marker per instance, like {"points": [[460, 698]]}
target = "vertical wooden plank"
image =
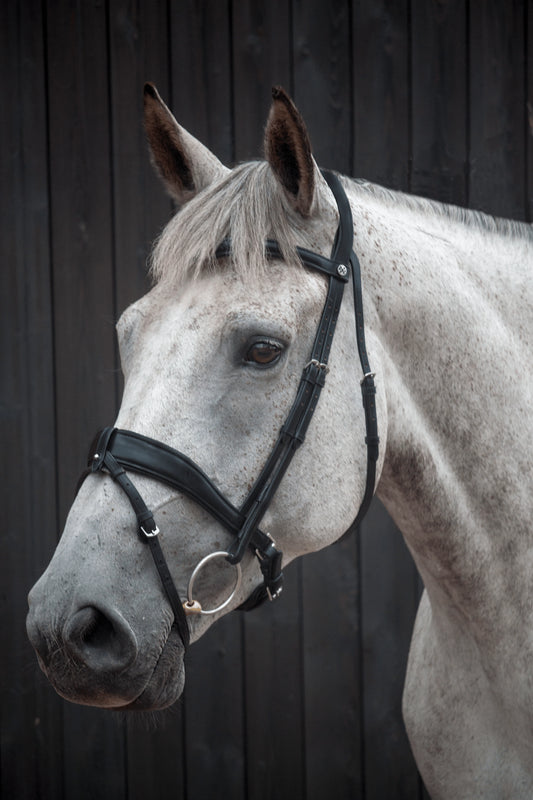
{"points": [[322, 78], [272, 655], [81, 229], [213, 705], [439, 100], [214, 714], [274, 702], [201, 92], [331, 675], [31, 714], [138, 52], [322, 89], [497, 108], [261, 59], [381, 91], [155, 766], [389, 601], [81, 216]]}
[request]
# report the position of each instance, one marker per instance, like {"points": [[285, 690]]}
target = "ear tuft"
{"points": [[150, 89], [288, 151]]}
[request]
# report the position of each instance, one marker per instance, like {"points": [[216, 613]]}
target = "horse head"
{"points": [[214, 359]]}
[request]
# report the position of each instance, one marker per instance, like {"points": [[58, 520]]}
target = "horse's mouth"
{"points": [[163, 687], [166, 682]]}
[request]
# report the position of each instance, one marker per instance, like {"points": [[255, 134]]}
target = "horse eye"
{"points": [[263, 353]]}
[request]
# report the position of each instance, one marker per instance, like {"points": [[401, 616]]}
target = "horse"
{"points": [[218, 358]]}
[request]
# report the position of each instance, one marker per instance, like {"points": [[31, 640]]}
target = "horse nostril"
{"points": [[102, 641], [95, 629]]}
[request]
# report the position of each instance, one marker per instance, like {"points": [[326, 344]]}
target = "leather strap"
{"points": [[118, 450], [148, 530], [292, 434], [368, 392], [137, 453], [368, 388], [315, 261], [149, 457]]}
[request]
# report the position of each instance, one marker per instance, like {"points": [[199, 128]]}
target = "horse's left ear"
{"points": [[185, 165], [288, 151]]}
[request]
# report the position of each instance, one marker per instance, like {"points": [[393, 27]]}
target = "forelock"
{"points": [[246, 205]]}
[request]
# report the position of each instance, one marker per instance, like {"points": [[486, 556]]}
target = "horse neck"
{"points": [[452, 325]]}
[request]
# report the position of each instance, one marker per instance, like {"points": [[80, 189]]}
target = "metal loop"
{"points": [[315, 363], [191, 604], [367, 375]]}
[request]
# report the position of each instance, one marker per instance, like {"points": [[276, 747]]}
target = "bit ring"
{"points": [[192, 606]]}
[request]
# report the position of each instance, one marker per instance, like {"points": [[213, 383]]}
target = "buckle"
{"points": [[316, 363], [274, 595], [371, 375], [150, 534], [270, 564]]}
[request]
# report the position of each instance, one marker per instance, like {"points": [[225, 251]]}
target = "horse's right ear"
{"points": [[185, 165]]}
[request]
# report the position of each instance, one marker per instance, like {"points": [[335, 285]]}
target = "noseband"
{"points": [[118, 452]]}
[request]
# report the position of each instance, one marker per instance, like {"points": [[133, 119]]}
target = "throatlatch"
{"points": [[118, 452]]}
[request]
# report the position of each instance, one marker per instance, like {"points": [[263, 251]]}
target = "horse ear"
{"points": [[288, 151], [185, 165]]}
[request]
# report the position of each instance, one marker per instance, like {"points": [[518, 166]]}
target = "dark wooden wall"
{"points": [[301, 699]]}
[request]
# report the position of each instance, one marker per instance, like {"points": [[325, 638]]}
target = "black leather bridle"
{"points": [[118, 452]]}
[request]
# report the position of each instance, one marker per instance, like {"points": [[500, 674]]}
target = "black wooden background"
{"points": [[300, 700]]}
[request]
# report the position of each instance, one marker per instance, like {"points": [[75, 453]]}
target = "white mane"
{"points": [[248, 206], [477, 220]]}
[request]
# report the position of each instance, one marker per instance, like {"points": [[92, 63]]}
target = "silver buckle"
{"points": [[150, 534], [316, 363], [258, 552], [275, 595]]}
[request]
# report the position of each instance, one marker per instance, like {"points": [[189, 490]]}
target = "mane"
{"points": [[247, 205], [476, 220]]}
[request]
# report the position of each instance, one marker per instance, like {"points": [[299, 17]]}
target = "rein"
{"points": [[118, 451]]}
